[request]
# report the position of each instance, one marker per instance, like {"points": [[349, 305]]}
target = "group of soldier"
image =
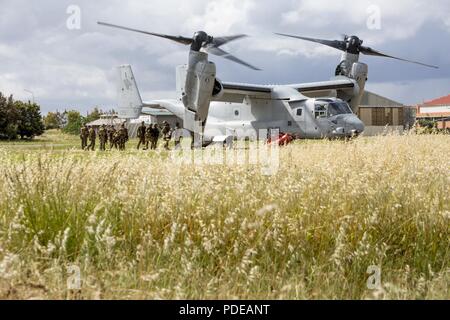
{"points": [[148, 136], [116, 138]]}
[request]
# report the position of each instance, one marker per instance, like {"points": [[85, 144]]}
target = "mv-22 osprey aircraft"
{"points": [[218, 110]]}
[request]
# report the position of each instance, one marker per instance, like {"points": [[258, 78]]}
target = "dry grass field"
{"points": [[138, 225]]}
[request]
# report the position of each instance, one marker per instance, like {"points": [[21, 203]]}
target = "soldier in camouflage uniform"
{"points": [[141, 134], [155, 137], [111, 137], [117, 139], [92, 137], [177, 135], [103, 137], [126, 136], [123, 136], [84, 133], [148, 136], [167, 134]]}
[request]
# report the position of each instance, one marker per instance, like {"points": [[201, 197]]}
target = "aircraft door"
{"points": [[298, 111], [299, 114]]}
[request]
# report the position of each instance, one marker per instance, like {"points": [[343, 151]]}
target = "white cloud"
{"points": [[447, 23], [400, 19], [290, 17], [222, 17]]}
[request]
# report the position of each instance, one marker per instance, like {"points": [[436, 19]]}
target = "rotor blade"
{"points": [[340, 45], [221, 53], [178, 39], [219, 41], [372, 52]]}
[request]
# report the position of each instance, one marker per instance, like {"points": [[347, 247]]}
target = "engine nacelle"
{"points": [[181, 75], [360, 73], [200, 78], [196, 83]]}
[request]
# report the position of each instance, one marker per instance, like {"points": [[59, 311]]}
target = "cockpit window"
{"points": [[335, 108], [320, 110], [329, 108]]}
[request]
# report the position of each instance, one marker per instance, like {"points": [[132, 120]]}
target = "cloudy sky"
{"points": [[67, 67]]}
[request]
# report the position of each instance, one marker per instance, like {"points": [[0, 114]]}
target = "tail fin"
{"points": [[129, 98]]}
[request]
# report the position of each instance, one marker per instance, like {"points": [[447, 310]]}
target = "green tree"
{"points": [[94, 115], [29, 122], [8, 118], [53, 120], [74, 122], [426, 123], [19, 119]]}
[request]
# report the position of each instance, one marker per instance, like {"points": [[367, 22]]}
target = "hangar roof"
{"points": [[105, 121], [437, 108], [371, 99]]}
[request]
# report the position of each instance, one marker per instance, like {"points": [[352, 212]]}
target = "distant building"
{"points": [[106, 119], [158, 116], [152, 116], [437, 110], [381, 114]]}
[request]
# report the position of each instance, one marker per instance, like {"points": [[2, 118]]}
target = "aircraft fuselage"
{"points": [[297, 115]]}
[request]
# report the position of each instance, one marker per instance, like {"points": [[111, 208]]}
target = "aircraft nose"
{"points": [[354, 125]]}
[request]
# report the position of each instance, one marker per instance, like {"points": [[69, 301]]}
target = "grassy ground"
{"points": [[50, 141], [139, 225]]}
